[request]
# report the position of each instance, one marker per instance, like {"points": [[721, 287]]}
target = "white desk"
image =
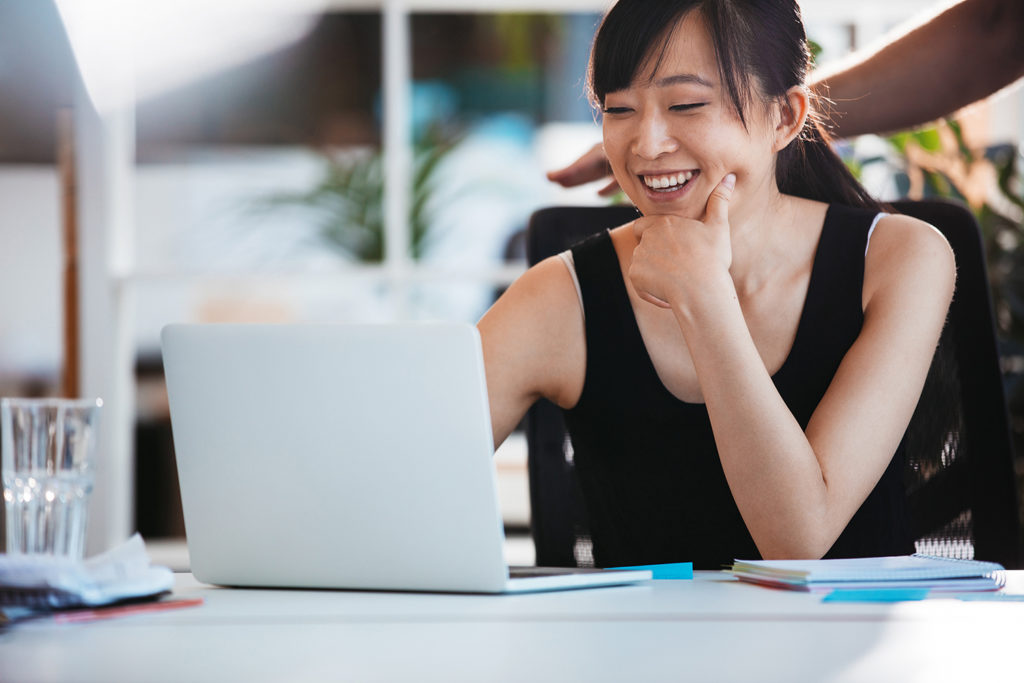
{"points": [[708, 629]]}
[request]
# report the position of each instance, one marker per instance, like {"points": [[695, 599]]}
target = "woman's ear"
{"points": [[793, 108]]}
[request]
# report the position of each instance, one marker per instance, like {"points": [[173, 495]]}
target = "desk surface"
{"points": [[711, 628]]}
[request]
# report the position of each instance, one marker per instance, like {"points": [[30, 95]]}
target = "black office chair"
{"points": [[959, 474]]}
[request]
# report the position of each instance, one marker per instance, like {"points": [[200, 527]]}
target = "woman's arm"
{"points": [[533, 345], [798, 490]]}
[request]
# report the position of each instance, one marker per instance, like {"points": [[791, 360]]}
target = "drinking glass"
{"points": [[47, 467]]}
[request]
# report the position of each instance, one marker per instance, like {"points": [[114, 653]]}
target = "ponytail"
{"points": [[808, 167]]}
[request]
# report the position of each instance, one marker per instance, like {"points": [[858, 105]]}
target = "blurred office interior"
{"points": [[326, 161]]}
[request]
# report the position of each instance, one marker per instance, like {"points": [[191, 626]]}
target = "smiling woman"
{"points": [[712, 62], [754, 344]]}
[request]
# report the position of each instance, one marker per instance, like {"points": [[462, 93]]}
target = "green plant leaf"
{"points": [[815, 49], [928, 139], [899, 142], [958, 132], [350, 194], [856, 167], [1007, 175]]}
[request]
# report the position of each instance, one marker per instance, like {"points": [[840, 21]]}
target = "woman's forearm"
{"points": [[772, 470]]}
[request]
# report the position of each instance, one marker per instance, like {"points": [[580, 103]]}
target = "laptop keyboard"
{"points": [[535, 572]]}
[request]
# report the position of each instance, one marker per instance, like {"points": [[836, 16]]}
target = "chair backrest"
{"points": [[959, 473]]}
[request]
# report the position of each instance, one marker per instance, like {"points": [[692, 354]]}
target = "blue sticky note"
{"points": [[672, 570], [989, 597], [876, 595]]}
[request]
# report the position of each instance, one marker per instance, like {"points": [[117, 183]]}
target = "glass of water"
{"points": [[48, 460]]}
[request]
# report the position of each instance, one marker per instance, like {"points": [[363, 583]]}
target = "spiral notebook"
{"points": [[901, 571]]}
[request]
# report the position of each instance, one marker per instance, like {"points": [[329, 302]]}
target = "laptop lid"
{"points": [[342, 456], [335, 456]]}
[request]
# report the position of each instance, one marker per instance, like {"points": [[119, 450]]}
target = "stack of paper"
{"points": [[904, 571], [48, 582]]}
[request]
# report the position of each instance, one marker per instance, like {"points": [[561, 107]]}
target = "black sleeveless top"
{"points": [[647, 462]]}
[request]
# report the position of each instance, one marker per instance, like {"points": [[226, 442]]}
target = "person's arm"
{"points": [[591, 166], [798, 489], [533, 345], [960, 55]]}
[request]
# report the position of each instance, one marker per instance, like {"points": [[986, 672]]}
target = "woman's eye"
{"points": [[686, 107], [616, 110]]}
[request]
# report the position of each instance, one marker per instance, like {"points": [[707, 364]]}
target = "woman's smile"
{"points": [[664, 187]]}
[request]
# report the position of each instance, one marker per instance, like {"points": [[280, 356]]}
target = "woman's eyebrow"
{"points": [[678, 79]]}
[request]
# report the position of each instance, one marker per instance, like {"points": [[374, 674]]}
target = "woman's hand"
{"points": [[591, 166], [669, 245]]}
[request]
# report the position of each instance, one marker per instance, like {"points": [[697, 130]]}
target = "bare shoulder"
{"points": [[541, 300], [550, 280], [907, 253], [534, 333], [898, 229]]}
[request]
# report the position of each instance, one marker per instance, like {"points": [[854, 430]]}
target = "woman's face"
{"points": [[673, 134]]}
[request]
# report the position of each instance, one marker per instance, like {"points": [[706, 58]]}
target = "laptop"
{"points": [[342, 456]]}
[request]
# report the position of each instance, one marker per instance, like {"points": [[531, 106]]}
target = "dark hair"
{"points": [[761, 47]]}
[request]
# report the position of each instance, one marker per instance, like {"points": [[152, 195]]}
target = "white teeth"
{"points": [[667, 181]]}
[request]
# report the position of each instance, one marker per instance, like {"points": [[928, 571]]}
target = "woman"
{"points": [[739, 364]]}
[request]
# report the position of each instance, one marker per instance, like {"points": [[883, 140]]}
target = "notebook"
{"points": [[342, 456], [900, 571]]}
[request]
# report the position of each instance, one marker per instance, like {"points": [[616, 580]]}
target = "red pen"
{"points": [[78, 616]]}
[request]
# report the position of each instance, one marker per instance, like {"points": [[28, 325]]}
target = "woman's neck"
{"points": [[765, 233]]}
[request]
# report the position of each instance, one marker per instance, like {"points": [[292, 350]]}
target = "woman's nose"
{"points": [[653, 138]]}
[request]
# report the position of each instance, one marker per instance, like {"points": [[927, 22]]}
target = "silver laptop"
{"points": [[342, 456]]}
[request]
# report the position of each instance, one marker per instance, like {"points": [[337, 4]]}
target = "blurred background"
{"points": [[341, 161]]}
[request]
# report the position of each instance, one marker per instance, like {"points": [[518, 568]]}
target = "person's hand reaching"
{"points": [[591, 166]]}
